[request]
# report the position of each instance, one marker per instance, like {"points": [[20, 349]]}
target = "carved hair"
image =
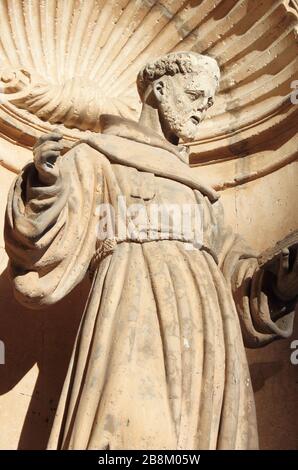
{"points": [[175, 62]]}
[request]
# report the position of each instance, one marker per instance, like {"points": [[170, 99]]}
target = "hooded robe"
{"points": [[159, 359]]}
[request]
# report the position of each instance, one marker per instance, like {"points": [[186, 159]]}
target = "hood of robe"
{"points": [[128, 143]]}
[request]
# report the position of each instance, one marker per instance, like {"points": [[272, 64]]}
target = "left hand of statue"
{"points": [[286, 270]]}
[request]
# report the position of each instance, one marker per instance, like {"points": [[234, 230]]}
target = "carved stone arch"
{"points": [[68, 62]]}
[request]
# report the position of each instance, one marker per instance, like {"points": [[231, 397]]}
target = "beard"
{"points": [[179, 124]]}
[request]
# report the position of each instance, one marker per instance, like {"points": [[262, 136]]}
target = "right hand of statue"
{"points": [[46, 151]]}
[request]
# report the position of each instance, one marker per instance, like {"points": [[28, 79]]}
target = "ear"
{"points": [[159, 90]]}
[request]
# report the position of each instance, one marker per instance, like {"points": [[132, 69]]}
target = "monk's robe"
{"points": [[159, 359]]}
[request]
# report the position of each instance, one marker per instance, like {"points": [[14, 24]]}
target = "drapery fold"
{"points": [[159, 359], [50, 231]]}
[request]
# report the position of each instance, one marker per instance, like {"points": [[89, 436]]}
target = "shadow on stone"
{"points": [[44, 337], [262, 371]]}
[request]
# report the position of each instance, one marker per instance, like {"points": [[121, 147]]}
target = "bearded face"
{"points": [[184, 100]]}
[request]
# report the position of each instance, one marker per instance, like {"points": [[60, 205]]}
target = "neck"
{"points": [[151, 118]]}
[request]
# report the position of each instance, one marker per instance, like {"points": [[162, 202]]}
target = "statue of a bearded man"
{"points": [[159, 359]]}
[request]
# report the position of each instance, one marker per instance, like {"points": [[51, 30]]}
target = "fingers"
{"points": [[50, 145], [49, 158], [55, 136], [289, 259], [283, 265], [284, 261], [46, 150]]}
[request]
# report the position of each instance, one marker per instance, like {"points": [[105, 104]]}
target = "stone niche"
{"points": [[64, 63]]}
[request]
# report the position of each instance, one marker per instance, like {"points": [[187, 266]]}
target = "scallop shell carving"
{"points": [[69, 61]]}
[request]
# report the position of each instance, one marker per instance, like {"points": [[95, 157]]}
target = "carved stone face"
{"points": [[183, 101]]}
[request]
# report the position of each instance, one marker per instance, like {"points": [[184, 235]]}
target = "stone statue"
{"points": [[159, 359]]}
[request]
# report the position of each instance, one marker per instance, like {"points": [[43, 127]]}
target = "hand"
{"points": [[286, 287], [46, 152]]}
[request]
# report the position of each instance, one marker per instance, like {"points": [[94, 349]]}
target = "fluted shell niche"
{"points": [[66, 62]]}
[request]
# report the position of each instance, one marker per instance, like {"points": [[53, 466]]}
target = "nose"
{"points": [[202, 104]]}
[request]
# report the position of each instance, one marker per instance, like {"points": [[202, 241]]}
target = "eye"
{"points": [[210, 102], [194, 95]]}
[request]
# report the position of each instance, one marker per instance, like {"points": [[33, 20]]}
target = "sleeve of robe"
{"points": [[263, 317], [50, 231]]}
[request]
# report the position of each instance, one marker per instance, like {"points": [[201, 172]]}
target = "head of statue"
{"points": [[181, 85]]}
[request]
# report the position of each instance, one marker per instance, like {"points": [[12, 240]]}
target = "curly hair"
{"points": [[173, 63]]}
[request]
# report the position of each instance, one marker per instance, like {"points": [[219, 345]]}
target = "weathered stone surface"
{"points": [[248, 143]]}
